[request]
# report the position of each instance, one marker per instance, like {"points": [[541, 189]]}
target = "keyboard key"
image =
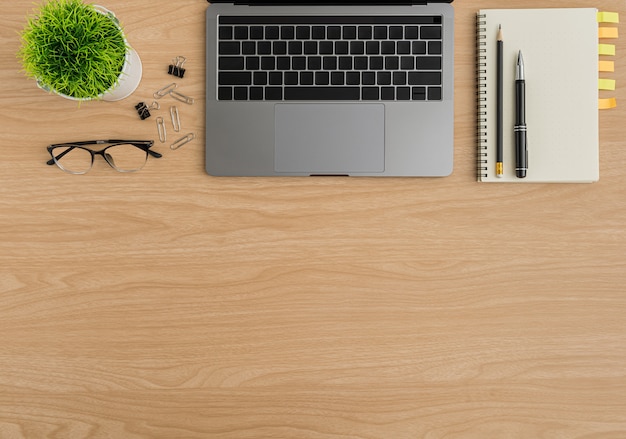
{"points": [[434, 93], [392, 62], [225, 33], [361, 63], [345, 63], [283, 63], [225, 93], [399, 78], [291, 78], [322, 78], [383, 78], [268, 63], [298, 63], [388, 93], [310, 48], [256, 93], [264, 48], [396, 33], [428, 63], [303, 32], [411, 33], [318, 32], [280, 48], [333, 32], [419, 93], [248, 48], [368, 78], [260, 78], [273, 94], [295, 48], [337, 78], [434, 48], [321, 93], [404, 48], [419, 47], [326, 47], [388, 48], [380, 32], [353, 78], [235, 78], [407, 63], [253, 63], [329, 63], [276, 78], [241, 32], [349, 33], [256, 32], [377, 63], [403, 93], [241, 93], [306, 78], [365, 32], [372, 47], [424, 78], [229, 48], [315, 63], [357, 48], [431, 32], [370, 93], [231, 62], [342, 48], [272, 33], [287, 32]]}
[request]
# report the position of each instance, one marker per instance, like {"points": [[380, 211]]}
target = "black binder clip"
{"points": [[144, 111], [176, 69]]}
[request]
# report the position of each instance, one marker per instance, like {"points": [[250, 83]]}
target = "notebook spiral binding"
{"points": [[481, 96]]}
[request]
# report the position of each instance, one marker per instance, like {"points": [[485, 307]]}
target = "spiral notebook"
{"points": [[560, 51]]}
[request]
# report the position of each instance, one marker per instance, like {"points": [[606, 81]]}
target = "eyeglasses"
{"points": [[122, 155]]}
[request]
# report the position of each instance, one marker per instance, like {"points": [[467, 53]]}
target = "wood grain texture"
{"points": [[170, 304]]}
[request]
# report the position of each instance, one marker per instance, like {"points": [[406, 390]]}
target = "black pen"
{"points": [[521, 146], [499, 109]]}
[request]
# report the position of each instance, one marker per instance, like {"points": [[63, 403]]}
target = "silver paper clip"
{"points": [[175, 118], [161, 129], [183, 140], [165, 90], [181, 97]]}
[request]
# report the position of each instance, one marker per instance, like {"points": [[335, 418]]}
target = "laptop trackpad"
{"points": [[329, 138]]}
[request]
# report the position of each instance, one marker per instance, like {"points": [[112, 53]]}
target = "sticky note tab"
{"points": [[606, 66], [608, 17], [605, 104], [606, 84], [606, 49], [608, 32]]}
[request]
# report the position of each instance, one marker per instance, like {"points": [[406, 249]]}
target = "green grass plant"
{"points": [[72, 48]]}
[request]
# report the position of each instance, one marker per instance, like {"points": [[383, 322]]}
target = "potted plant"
{"points": [[79, 51]]}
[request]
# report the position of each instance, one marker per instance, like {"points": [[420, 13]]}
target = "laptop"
{"points": [[329, 88]]}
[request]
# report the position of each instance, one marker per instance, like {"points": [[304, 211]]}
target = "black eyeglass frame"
{"points": [[141, 144]]}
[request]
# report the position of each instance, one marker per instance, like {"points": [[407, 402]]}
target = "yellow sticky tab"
{"points": [[608, 32], [606, 49], [608, 17], [606, 66], [606, 84], [605, 104]]}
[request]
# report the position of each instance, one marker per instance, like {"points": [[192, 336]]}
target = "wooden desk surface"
{"points": [[170, 304]]}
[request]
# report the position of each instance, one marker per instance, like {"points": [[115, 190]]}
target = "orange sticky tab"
{"points": [[606, 66], [608, 32], [605, 104]]}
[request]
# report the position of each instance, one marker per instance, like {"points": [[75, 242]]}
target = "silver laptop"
{"points": [[350, 88]]}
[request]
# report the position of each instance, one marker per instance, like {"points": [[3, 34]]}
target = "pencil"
{"points": [[500, 105]]}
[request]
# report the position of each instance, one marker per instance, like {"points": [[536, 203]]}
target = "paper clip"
{"points": [[183, 140], [161, 129], [176, 69], [165, 90], [175, 118], [144, 111], [181, 97]]}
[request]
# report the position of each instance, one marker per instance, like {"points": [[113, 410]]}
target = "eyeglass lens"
{"points": [[78, 160]]}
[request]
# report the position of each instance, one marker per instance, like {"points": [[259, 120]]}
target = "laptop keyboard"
{"points": [[345, 58]]}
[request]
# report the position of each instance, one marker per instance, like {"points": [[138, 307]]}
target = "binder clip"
{"points": [[176, 69], [144, 111]]}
